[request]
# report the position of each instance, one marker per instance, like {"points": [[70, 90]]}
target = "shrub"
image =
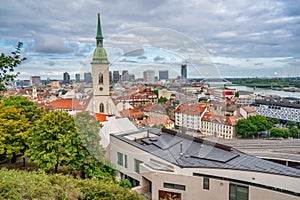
{"points": [[38, 185]]}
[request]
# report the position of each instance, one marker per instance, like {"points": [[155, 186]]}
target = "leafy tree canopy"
{"points": [[50, 140], [13, 131], [88, 155], [245, 128], [279, 132], [290, 124], [28, 108], [252, 125], [8, 63]]}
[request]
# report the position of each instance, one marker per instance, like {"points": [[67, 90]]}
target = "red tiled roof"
{"points": [[70, 104], [248, 109], [100, 117], [226, 120], [196, 109], [132, 113], [148, 107]]}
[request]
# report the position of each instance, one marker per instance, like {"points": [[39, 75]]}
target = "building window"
{"points": [[125, 159], [100, 78], [174, 186], [137, 165], [120, 158], [205, 183], [101, 108], [238, 192]]}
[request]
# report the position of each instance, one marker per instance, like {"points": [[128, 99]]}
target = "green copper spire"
{"points": [[99, 36], [99, 55]]}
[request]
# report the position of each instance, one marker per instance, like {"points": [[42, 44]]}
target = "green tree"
{"points": [[245, 128], [294, 132], [260, 122], [28, 108], [8, 63], [87, 154], [274, 121], [13, 132], [162, 100], [50, 140], [290, 124], [279, 132], [125, 183]]}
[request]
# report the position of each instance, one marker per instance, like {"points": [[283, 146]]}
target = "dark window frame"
{"points": [[205, 183], [174, 186], [120, 159]]}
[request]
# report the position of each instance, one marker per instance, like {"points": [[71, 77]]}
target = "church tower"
{"points": [[100, 73]]}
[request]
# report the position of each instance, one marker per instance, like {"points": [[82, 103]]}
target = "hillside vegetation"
{"points": [[39, 185]]}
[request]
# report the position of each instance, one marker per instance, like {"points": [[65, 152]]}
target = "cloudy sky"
{"points": [[215, 37]]}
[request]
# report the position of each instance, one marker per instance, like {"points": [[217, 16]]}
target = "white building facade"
{"points": [[161, 164]]}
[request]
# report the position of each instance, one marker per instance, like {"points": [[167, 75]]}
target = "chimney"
{"points": [[181, 151]]}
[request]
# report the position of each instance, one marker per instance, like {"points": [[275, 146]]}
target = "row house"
{"points": [[189, 116], [139, 99], [200, 118], [219, 126]]}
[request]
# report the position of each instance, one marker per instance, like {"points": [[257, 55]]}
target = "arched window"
{"points": [[100, 78], [101, 108]]}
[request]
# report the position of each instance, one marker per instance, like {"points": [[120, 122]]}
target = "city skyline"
{"points": [[243, 39]]}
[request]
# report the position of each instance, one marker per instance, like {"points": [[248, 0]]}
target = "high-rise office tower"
{"points": [[87, 77], [131, 77], [77, 78], [163, 74], [66, 77], [149, 76], [116, 76], [184, 71], [125, 75]]}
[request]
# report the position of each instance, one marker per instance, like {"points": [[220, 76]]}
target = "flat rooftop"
{"points": [[188, 152]]}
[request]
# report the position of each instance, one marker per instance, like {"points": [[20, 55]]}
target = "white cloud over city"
{"points": [[241, 38]]}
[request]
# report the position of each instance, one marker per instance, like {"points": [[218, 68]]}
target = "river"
{"points": [[265, 91]]}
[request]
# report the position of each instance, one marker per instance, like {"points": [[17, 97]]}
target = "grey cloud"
{"points": [[136, 52], [158, 58], [44, 44], [142, 57], [241, 29]]}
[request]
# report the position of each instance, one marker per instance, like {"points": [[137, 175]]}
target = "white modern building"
{"points": [[280, 108], [149, 76], [162, 164]]}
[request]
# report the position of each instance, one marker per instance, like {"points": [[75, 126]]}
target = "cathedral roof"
{"points": [[99, 55]]}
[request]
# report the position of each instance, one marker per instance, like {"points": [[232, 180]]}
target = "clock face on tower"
{"points": [[101, 88]]}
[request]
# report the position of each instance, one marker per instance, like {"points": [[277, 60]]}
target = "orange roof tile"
{"points": [[70, 104], [132, 113], [100, 117], [248, 109], [196, 109]]}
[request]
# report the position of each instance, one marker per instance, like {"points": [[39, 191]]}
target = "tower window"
{"points": [[101, 108], [100, 78]]}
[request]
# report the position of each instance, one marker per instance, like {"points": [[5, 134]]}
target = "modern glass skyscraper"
{"points": [[66, 77], [184, 71], [149, 76], [163, 75], [77, 78]]}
